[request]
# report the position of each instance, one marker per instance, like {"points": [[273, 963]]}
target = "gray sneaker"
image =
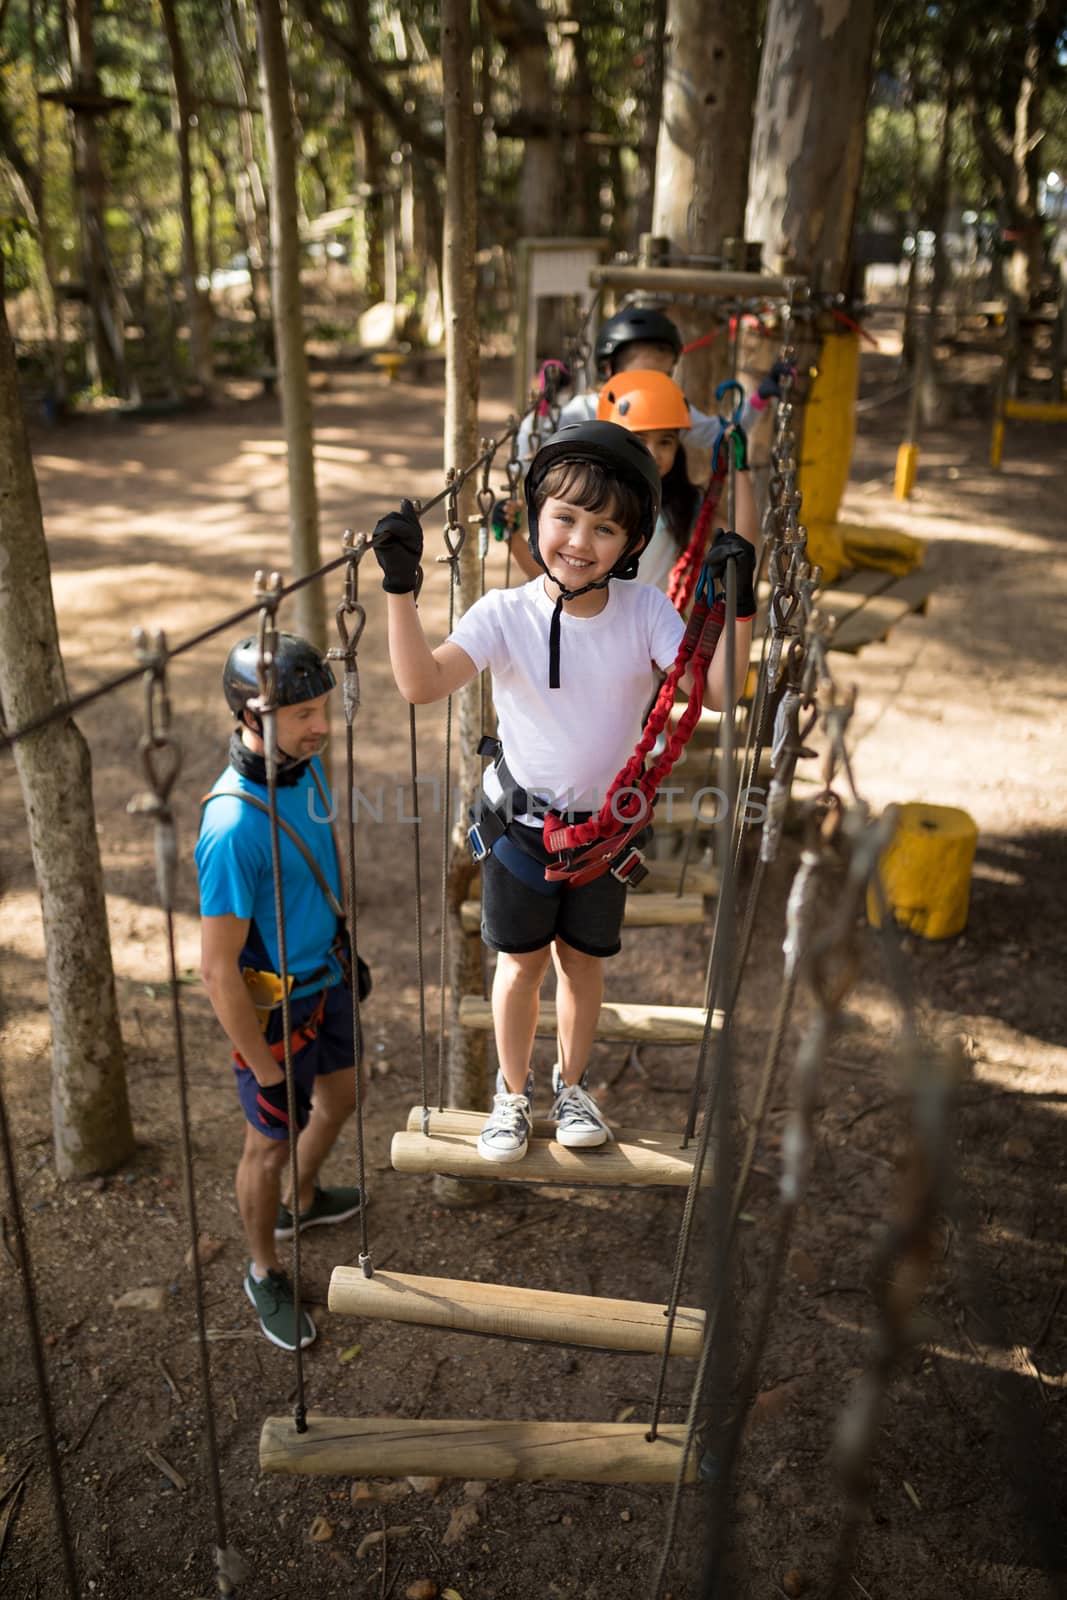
{"points": [[272, 1297], [579, 1122], [506, 1136]]}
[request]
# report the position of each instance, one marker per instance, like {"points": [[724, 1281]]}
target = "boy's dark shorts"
{"points": [[517, 918], [331, 1050]]}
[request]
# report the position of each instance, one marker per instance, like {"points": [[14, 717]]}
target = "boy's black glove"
{"points": [[770, 385], [273, 1103], [731, 546], [398, 547]]}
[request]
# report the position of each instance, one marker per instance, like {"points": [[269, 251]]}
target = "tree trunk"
{"points": [[289, 319], [520, 27], [807, 144], [90, 1111], [106, 351], [702, 155], [252, 197], [197, 305], [467, 1071], [49, 276], [655, 33]]}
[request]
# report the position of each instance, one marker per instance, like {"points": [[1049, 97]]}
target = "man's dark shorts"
{"points": [[331, 1050], [517, 918]]}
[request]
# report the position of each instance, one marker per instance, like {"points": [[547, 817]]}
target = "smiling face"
{"points": [[578, 546]]}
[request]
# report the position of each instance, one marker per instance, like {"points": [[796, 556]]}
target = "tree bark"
{"points": [[197, 304], [467, 1071], [289, 319], [49, 274], [252, 208], [90, 1110], [808, 139], [705, 134], [520, 27], [655, 33], [106, 350]]}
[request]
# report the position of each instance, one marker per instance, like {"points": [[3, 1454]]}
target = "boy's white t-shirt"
{"points": [[568, 744]]}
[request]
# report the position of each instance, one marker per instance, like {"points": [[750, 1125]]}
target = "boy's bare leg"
{"points": [[516, 1001], [333, 1101], [259, 1187], [579, 995]]}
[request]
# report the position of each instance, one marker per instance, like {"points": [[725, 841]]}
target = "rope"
{"points": [[268, 593], [348, 652], [455, 538], [417, 814], [161, 758], [282, 591]]}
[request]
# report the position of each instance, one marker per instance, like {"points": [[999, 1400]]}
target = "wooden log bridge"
{"points": [[508, 1452], [650, 1024], [514, 1312], [649, 1161]]}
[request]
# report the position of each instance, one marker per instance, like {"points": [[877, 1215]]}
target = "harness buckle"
{"points": [[476, 844], [631, 869]]}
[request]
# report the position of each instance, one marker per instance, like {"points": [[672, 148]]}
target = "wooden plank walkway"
{"points": [[632, 1023]]}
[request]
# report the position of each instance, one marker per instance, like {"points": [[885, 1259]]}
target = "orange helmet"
{"points": [[642, 401]]}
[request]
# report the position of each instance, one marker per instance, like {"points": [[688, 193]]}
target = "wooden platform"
{"points": [[867, 605], [513, 1312], [641, 911], [507, 1452], [649, 1161], [641, 1024], [452, 1120]]}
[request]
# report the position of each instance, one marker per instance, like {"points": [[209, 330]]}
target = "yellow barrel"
{"points": [[926, 870], [907, 467]]}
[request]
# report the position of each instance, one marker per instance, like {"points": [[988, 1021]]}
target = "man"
{"points": [[239, 964]]}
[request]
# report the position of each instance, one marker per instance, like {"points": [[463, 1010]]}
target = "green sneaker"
{"points": [[273, 1300], [329, 1205]]}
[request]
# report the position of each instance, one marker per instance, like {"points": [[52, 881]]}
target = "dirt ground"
{"points": [[162, 523]]}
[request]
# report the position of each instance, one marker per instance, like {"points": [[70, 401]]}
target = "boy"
{"points": [[573, 656]]}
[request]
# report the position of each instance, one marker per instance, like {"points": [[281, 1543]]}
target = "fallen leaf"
{"points": [[370, 1541], [379, 1493], [912, 1496], [151, 1298], [421, 1589], [450, 1594], [625, 1414], [428, 1486], [320, 1531], [794, 1583], [351, 1353], [460, 1523], [206, 1249]]}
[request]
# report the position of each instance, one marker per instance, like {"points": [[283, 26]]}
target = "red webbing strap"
{"points": [[299, 1037], [686, 570], [623, 814]]}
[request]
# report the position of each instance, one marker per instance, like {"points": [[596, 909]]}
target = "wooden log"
{"points": [[655, 1161], [648, 1024], [453, 1120], [663, 877], [505, 1452], [881, 613], [641, 911], [514, 1312]]}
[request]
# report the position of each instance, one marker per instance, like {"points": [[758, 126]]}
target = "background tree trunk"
{"points": [[808, 139], [289, 319], [251, 195], [520, 27], [655, 32], [106, 353], [197, 304], [90, 1111], [705, 134], [467, 1070]]}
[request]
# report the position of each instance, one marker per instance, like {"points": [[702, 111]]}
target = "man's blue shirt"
{"points": [[233, 862]]}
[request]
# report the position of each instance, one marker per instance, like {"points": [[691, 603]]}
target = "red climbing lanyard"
{"points": [[589, 848]]}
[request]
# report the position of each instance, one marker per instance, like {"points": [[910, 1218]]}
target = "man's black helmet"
{"points": [[623, 454], [629, 325], [302, 672]]}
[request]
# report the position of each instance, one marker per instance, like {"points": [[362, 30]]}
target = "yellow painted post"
{"points": [[907, 467], [829, 427], [996, 444], [925, 870]]}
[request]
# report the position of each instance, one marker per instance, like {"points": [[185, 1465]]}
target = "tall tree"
{"points": [[467, 1059], [289, 317], [106, 345], [807, 142], [90, 1111], [521, 28], [197, 304], [705, 133]]}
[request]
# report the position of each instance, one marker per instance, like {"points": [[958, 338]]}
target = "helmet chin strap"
{"points": [[554, 628]]}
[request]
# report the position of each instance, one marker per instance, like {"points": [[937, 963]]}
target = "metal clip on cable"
{"points": [[355, 546], [454, 535], [161, 760]]}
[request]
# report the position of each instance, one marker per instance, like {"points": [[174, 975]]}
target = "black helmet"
{"points": [[302, 672], [629, 325]]}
